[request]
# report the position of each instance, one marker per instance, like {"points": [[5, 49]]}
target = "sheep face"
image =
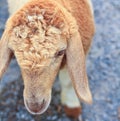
{"points": [[38, 40], [39, 53]]}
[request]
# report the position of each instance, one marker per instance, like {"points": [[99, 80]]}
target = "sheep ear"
{"points": [[5, 53], [77, 69]]}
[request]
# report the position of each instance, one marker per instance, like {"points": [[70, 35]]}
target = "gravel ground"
{"points": [[103, 67]]}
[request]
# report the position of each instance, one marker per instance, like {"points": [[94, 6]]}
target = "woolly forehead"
{"points": [[40, 26], [35, 41]]}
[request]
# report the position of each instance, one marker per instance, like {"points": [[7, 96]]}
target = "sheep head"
{"points": [[38, 44], [38, 36], [39, 55]]}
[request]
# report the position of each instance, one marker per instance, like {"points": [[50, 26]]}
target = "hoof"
{"points": [[73, 112]]}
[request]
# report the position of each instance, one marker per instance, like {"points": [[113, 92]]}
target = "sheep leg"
{"points": [[69, 98]]}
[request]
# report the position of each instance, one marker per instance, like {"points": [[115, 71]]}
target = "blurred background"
{"points": [[103, 66]]}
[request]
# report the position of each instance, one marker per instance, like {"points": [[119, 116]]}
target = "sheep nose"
{"points": [[35, 107]]}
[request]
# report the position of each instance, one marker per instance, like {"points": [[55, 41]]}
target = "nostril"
{"points": [[43, 102]]}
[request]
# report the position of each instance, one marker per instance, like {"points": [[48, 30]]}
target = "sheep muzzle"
{"points": [[37, 106], [37, 90]]}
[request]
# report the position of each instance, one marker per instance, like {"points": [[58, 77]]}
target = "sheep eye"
{"points": [[59, 53]]}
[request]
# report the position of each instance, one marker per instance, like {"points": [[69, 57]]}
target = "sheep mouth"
{"points": [[37, 108]]}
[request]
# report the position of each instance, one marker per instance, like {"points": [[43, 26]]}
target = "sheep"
{"points": [[48, 38]]}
